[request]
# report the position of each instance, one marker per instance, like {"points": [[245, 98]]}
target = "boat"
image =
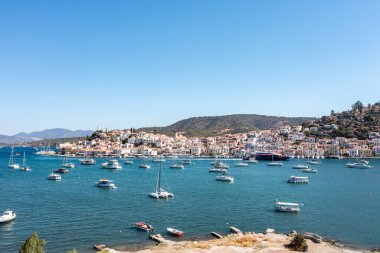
{"points": [[159, 160], [11, 163], [105, 183], [241, 165], [55, 177], [221, 165], [111, 164], [185, 162], [287, 207], [310, 170], [144, 166], [300, 166], [46, 151], [128, 162], [174, 231], [160, 193], [250, 160], [359, 165], [61, 171], [224, 177], [268, 155], [67, 164], [275, 164], [177, 166], [313, 237], [315, 162], [298, 180], [7, 216], [217, 170], [144, 226], [87, 161], [24, 166]]}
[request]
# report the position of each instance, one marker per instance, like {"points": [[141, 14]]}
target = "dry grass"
{"points": [[243, 241]]}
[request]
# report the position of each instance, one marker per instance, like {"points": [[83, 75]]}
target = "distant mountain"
{"points": [[56, 133], [214, 125], [358, 122]]}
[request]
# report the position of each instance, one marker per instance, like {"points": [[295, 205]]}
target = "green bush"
{"points": [[33, 245]]}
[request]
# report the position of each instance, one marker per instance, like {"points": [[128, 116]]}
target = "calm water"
{"points": [[339, 203]]}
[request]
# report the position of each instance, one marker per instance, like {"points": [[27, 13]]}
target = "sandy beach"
{"points": [[247, 243]]}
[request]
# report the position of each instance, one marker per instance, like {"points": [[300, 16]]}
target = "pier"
{"points": [[236, 230], [157, 238], [219, 236]]}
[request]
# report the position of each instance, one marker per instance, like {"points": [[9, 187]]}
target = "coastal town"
{"points": [[292, 141]]}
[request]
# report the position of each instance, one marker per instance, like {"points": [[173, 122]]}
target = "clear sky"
{"points": [[79, 64]]}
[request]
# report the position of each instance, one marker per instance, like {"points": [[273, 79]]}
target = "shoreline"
{"points": [[250, 242]]}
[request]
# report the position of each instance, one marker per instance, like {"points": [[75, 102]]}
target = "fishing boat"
{"points": [[174, 231], [310, 170], [298, 180], [61, 171], [111, 164], [224, 177], [54, 177], [7, 216], [177, 166], [144, 226], [105, 183], [128, 162], [160, 193], [287, 207], [241, 165], [87, 161], [11, 163], [25, 167], [359, 165], [144, 166], [67, 164]]}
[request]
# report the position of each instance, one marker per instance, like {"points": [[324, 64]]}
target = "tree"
{"points": [[332, 112], [33, 245], [358, 106]]}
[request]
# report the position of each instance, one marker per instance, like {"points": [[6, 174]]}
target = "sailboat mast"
{"points": [[24, 161], [159, 171]]}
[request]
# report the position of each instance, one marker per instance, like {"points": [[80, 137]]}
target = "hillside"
{"points": [[355, 123], [215, 125]]}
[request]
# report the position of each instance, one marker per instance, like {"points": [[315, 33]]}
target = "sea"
{"points": [[339, 203]]}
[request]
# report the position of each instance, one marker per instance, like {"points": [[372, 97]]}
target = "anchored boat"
{"points": [[287, 207], [298, 180], [174, 231], [7, 216]]}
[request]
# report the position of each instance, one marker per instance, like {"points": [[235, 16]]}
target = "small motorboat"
{"points": [[185, 162], [144, 166], [315, 162], [68, 165], [111, 164], [128, 162], [174, 231], [177, 166], [241, 165], [224, 177], [105, 183], [144, 226], [54, 177], [7, 216], [61, 170], [217, 170], [309, 170], [275, 164], [300, 166]]}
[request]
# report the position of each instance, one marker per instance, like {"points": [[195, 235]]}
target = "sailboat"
{"points": [[11, 163], [160, 193], [67, 164], [273, 163], [24, 166]]}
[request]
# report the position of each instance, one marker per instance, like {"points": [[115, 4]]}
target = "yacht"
{"points": [[359, 165], [11, 163], [298, 180], [241, 165], [224, 177], [144, 166], [300, 166], [309, 170], [111, 164], [177, 166], [55, 177], [7, 216], [287, 207], [105, 183]]}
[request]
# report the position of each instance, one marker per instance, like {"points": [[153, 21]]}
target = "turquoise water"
{"points": [[339, 203]]}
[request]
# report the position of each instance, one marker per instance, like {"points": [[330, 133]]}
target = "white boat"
{"points": [[287, 207], [111, 164], [144, 166], [221, 165], [359, 165], [251, 160], [174, 231], [160, 193], [217, 170], [105, 183], [315, 162], [46, 151], [298, 180], [87, 161], [25, 167], [67, 164], [11, 163], [300, 166], [241, 165], [185, 162], [128, 162], [55, 177], [177, 166], [310, 170], [224, 177], [159, 160], [275, 164], [7, 216]]}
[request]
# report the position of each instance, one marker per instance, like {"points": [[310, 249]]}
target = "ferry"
{"points": [[298, 180], [287, 207], [268, 156]]}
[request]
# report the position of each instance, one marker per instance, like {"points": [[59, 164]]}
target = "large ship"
{"points": [[268, 156]]}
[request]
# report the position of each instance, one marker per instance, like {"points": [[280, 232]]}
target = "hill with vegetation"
{"points": [[355, 123], [216, 125]]}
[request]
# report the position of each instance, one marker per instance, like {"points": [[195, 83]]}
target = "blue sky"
{"points": [[80, 64]]}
